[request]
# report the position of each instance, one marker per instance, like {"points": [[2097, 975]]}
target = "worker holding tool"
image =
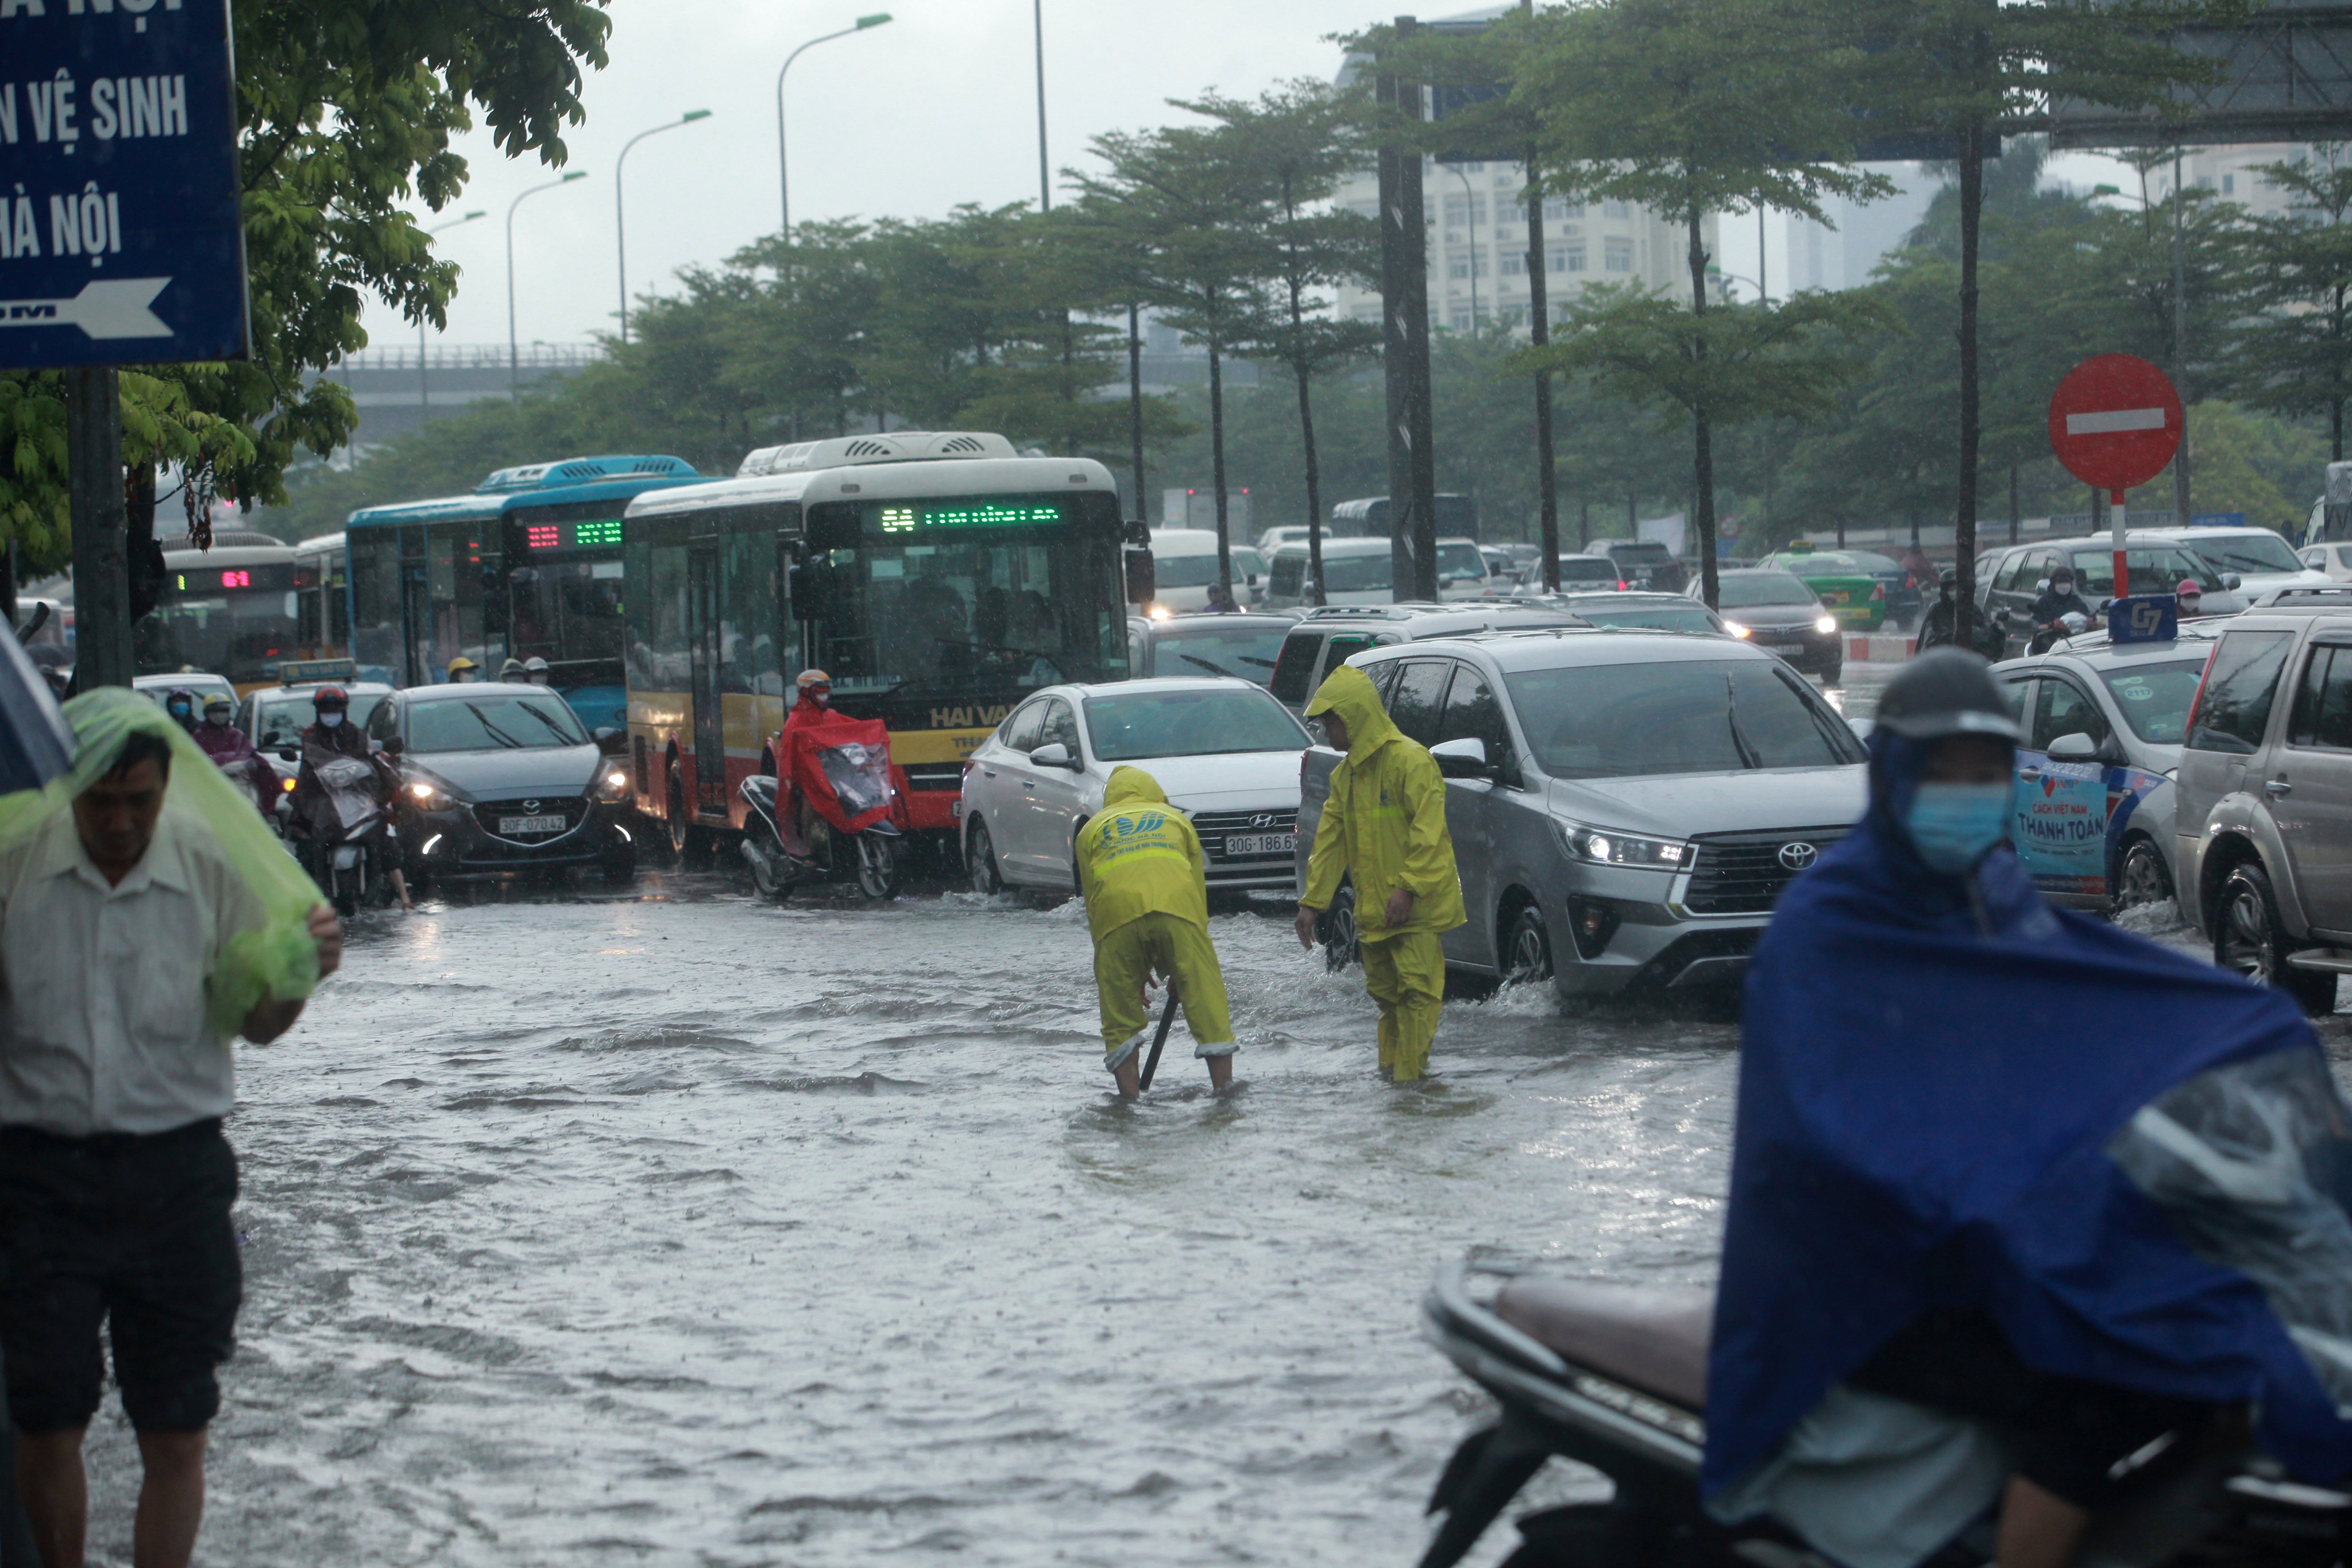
{"points": [[1384, 824], [1145, 883]]}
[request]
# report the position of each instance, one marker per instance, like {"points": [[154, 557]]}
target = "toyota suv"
{"points": [[1626, 805], [2263, 811]]}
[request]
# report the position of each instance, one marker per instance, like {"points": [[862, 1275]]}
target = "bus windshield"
{"points": [[568, 613], [238, 632], [964, 608]]}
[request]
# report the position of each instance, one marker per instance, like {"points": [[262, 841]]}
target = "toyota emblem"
{"points": [[533, 806], [1798, 856]]}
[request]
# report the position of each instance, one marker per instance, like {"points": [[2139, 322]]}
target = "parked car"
{"points": [[1639, 610], [198, 684], [2333, 562], [1224, 751], [1356, 571], [1862, 589], [1206, 644], [2011, 577], [1643, 563], [1779, 611], [1323, 640], [1625, 807], [274, 718], [2260, 557], [1273, 539], [2262, 826], [2096, 800], [1184, 563], [1575, 572], [499, 779]]}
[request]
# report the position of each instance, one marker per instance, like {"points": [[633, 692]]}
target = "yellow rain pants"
{"points": [[1406, 975], [1167, 945]]}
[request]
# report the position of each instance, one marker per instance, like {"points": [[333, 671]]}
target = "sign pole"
{"points": [[2115, 516], [101, 577]]}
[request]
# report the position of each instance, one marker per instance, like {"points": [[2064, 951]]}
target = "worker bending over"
{"points": [[1384, 825], [1146, 887]]}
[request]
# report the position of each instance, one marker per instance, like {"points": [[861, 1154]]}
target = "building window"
{"points": [[1568, 258], [1515, 316], [1514, 264], [1559, 209], [1469, 211], [1615, 209], [1458, 268], [1617, 256], [2228, 184], [1461, 320], [1478, 266]]}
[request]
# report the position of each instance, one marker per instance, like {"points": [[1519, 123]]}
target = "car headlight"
{"points": [[426, 795], [614, 785], [1826, 624], [1736, 629], [1602, 847]]}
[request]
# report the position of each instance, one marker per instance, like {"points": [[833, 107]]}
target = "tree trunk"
{"points": [[1217, 464], [1300, 366], [1539, 333], [1702, 428], [1964, 525], [1584, 524], [1135, 406], [2012, 504]]}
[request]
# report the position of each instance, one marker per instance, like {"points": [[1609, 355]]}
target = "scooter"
{"points": [[1614, 1376], [353, 867], [876, 854]]}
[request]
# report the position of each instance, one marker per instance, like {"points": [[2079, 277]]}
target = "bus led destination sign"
{"points": [[910, 517], [589, 535]]}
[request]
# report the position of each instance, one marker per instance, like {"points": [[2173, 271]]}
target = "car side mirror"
{"points": [[2231, 582], [286, 753], [2074, 748], [609, 740], [1055, 755], [1462, 759]]}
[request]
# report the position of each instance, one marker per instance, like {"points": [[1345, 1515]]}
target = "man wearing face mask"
{"points": [[2056, 601], [1953, 1286], [333, 735], [181, 707]]}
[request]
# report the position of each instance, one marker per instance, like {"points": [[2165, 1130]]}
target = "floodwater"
{"points": [[674, 1228]]}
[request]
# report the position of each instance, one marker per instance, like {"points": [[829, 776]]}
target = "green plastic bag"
{"points": [[278, 958]]}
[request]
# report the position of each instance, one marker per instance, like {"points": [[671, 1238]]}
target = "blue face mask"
{"points": [[331, 720], [1953, 824]]}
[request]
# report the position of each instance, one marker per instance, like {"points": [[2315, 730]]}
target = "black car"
{"points": [[1206, 644], [1777, 610], [499, 779]]}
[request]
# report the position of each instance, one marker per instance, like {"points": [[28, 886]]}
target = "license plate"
{"points": [[1261, 843], [1837, 596], [512, 824]]}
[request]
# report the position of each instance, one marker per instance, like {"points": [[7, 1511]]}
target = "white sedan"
{"points": [[1225, 752]]}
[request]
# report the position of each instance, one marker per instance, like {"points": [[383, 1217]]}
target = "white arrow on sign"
{"points": [[114, 309]]}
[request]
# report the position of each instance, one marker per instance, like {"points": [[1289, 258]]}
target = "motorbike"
{"points": [[352, 865], [842, 773], [1614, 1376]]}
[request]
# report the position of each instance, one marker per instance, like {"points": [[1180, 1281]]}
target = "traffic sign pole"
{"points": [[2116, 517]]}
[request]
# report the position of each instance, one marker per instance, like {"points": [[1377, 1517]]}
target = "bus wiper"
{"points": [[1261, 663], [1748, 757], [495, 733], [1207, 664]]}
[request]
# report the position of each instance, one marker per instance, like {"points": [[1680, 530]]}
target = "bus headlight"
{"points": [[612, 785]]}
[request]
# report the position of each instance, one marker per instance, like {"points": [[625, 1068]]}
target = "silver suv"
{"points": [[2264, 816], [1625, 806]]}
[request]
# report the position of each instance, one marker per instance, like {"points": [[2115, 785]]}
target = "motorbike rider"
{"points": [[331, 735], [2189, 599], [181, 704], [233, 752], [1959, 1270], [535, 671], [463, 670], [1937, 628], [2058, 601], [795, 818]]}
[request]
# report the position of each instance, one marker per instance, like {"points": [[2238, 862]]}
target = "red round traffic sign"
{"points": [[2115, 421]]}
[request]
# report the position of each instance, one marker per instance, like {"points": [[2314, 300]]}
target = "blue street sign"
{"points": [[120, 241], [2144, 617]]}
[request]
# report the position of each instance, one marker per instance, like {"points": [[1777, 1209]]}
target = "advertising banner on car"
{"points": [[2070, 817]]}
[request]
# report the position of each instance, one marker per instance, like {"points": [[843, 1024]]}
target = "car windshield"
{"points": [[1655, 617], [1364, 573], [2154, 570], [493, 721], [1586, 569], [1193, 571], [1190, 725], [2155, 699], [1746, 590], [1648, 553], [282, 719], [1248, 651], [1632, 721], [2246, 554], [1460, 563]]}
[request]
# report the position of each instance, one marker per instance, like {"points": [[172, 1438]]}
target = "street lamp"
{"points": [[620, 219], [1470, 221], [514, 355], [783, 174], [424, 392], [1045, 182]]}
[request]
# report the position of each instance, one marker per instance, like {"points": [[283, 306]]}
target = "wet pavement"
{"points": [[677, 1229]]}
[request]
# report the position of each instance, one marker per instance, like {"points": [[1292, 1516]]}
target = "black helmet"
{"points": [[1950, 579], [180, 696], [1946, 691], [329, 697]]}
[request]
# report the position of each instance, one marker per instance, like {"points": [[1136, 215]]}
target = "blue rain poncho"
{"points": [[1953, 1095], [278, 958]]}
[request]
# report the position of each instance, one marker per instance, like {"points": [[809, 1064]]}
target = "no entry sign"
{"points": [[2115, 421]]}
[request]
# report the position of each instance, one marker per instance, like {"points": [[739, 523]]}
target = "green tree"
{"points": [[2293, 354]]}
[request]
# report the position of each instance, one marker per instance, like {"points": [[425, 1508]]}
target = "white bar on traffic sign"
{"points": [[116, 308], [2115, 421]]}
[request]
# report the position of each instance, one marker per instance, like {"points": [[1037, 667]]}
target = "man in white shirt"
{"points": [[115, 1181]]}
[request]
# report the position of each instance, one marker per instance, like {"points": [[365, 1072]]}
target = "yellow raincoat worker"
{"points": [[1140, 869], [1384, 824]]}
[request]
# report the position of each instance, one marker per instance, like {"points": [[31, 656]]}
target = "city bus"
{"points": [[233, 610], [937, 577], [322, 610], [528, 565]]}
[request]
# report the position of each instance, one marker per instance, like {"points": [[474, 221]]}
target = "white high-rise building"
{"points": [[2234, 174], [1842, 253]]}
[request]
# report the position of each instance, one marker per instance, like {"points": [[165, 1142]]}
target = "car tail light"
{"points": [[1878, 592]]}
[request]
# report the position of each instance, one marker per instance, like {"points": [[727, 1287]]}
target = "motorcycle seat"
{"points": [[1652, 1338]]}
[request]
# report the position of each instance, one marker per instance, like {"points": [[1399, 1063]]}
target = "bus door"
{"points": [[416, 619], [702, 641]]}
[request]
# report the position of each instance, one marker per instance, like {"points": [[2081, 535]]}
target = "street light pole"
{"points": [[620, 214], [783, 171], [1470, 222], [514, 355], [423, 389], [1045, 180]]}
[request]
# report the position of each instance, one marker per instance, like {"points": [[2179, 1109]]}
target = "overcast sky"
{"points": [[909, 119]]}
